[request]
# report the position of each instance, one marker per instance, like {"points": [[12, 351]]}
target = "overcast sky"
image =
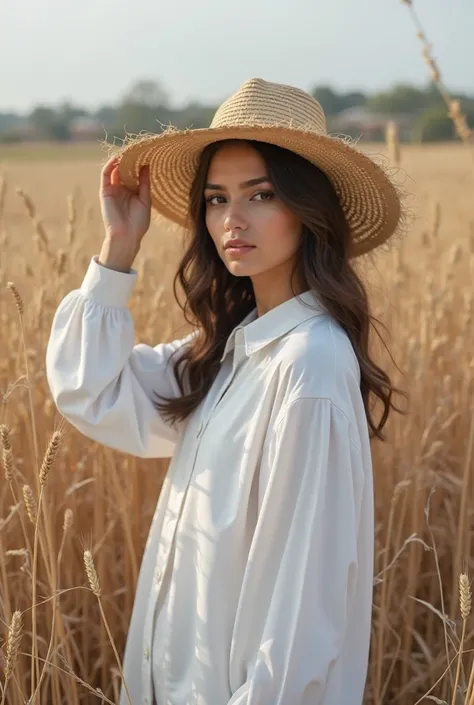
{"points": [[90, 51]]}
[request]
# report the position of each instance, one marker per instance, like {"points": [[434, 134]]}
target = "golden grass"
{"points": [[66, 499]]}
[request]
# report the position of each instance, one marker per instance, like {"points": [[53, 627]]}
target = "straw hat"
{"points": [[282, 115]]}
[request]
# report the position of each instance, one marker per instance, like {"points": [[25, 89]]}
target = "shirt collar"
{"points": [[259, 331]]}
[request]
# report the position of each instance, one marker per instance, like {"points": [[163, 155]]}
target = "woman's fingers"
{"points": [[107, 171], [114, 177], [144, 185], [110, 177]]}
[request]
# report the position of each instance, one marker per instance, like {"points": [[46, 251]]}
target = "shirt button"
{"points": [[146, 652], [158, 574]]}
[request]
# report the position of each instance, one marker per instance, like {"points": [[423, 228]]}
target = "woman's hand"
{"points": [[126, 216]]}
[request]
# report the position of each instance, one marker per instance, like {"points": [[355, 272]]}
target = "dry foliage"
{"points": [[74, 515]]}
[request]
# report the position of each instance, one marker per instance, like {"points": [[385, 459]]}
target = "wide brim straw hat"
{"points": [[282, 115]]}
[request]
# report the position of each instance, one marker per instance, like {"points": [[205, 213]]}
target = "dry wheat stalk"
{"points": [[469, 699], [39, 305], [7, 453], [68, 518], [50, 456], [17, 552], [38, 244], [67, 523], [455, 255], [25, 554], [454, 107], [43, 476], [465, 605], [436, 219], [40, 237], [92, 573], [95, 587], [393, 142], [41, 232], [61, 262], [28, 202], [13, 644], [30, 503], [13, 648], [464, 596], [16, 295]]}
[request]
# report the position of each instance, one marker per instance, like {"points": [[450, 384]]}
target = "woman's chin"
{"points": [[240, 269]]}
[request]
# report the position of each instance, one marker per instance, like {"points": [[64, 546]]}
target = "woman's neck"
{"points": [[273, 288]]}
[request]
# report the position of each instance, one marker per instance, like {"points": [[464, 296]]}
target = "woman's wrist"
{"points": [[116, 257]]}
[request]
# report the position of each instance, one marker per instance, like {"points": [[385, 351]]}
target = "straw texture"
{"points": [[281, 115]]}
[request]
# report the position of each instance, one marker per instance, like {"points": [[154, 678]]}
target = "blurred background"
{"points": [[81, 71]]}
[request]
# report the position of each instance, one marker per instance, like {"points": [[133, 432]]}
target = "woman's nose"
{"points": [[234, 219]]}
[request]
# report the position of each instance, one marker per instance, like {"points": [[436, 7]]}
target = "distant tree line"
{"points": [[146, 107]]}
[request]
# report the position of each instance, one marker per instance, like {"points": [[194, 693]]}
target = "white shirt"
{"points": [[256, 581]]}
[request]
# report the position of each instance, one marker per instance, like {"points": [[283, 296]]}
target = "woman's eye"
{"points": [[260, 196], [266, 195], [210, 200]]}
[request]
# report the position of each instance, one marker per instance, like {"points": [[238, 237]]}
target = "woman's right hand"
{"points": [[126, 216]]}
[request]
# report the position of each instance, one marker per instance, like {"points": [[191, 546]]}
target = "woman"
{"points": [[256, 582]]}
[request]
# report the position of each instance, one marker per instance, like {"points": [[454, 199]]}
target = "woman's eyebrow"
{"points": [[244, 184]]}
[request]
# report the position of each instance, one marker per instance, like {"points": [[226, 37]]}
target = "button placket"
{"points": [[176, 502], [148, 635], [175, 506], [236, 358]]}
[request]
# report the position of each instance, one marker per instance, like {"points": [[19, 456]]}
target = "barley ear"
{"points": [[16, 295], [30, 503], [92, 573], [7, 453], [28, 202], [464, 596], [13, 643], [50, 456], [68, 517]]}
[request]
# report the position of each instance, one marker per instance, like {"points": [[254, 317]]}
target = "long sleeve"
{"points": [[102, 383], [302, 629]]}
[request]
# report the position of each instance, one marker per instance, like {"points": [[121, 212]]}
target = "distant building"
{"points": [[25, 131], [85, 128], [361, 122]]}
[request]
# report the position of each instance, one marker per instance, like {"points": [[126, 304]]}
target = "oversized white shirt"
{"points": [[256, 581]]}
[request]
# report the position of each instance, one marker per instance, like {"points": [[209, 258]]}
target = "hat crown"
{"points": [[263, 103]]}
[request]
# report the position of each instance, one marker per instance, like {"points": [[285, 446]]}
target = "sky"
{"points": [[91, 51]]}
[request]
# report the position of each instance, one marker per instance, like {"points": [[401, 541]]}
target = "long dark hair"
{"points": [[216, 301]]}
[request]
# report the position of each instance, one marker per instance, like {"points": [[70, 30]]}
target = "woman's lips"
{"points": [[239, 251]]}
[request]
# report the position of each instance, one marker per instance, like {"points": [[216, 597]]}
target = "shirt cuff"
{"points": [[107, 286]]}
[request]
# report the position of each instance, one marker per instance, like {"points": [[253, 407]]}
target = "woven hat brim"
{"points": [[369, 198]]}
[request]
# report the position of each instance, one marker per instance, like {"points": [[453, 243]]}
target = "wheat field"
{"points": [[74, 516]]}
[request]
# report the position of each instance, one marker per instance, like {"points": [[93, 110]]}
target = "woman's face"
{"points": [[241, 204]]}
